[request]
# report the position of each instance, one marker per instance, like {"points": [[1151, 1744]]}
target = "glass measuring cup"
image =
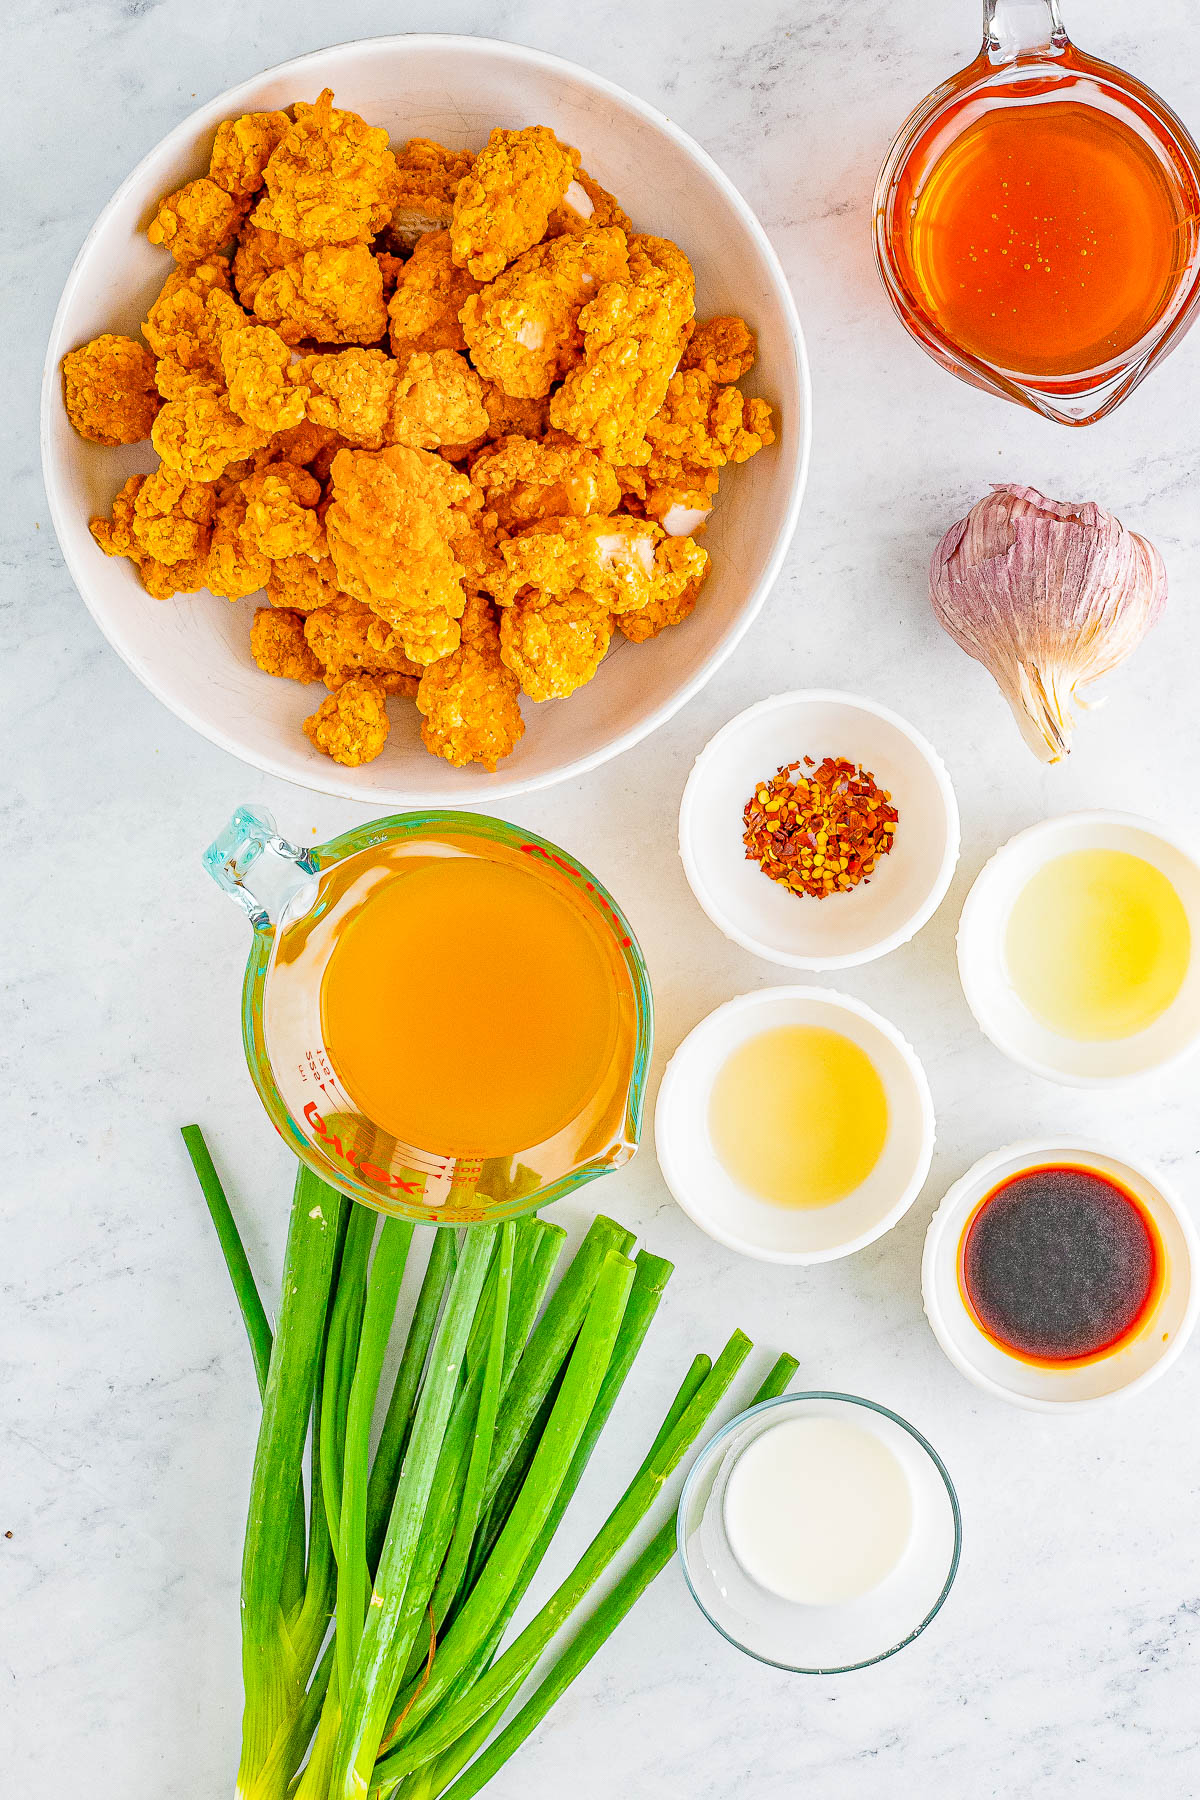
{"points": [[1026, 67], [298, 901]]}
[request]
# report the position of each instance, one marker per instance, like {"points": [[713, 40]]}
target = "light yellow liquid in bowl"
{"points": [[1098, 944], [798, 1115]]}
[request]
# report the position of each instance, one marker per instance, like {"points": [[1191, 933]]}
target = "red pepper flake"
{"points": [[822, 832]]}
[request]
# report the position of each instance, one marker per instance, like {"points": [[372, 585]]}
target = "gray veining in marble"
{"points": [[1065, 1663]]}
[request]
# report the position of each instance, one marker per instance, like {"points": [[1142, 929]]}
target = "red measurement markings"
{"points": [[372, 1171], [576, 875]]}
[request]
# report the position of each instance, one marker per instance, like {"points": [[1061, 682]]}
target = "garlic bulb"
{"points": [[1048, 596]]}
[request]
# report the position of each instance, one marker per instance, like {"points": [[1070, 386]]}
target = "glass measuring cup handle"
{"points": [[258, 868], [1013, 28]]}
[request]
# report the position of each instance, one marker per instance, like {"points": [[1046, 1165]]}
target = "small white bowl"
{"points": [[740, 1220], [1149, 1354], [193, 653], [1003, 1016], [877, 916]]}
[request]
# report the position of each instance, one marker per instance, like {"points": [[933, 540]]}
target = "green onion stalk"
{"points": [[376, 1608]]}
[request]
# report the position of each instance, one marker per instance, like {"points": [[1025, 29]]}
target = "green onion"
{"points": [[380, 1661], [272, 1681], [415, 1748], [383, 1293], [650, 1279], [540, 1246], [535, 1373], [471, 1503], [590, 1636], [490, 1425], [581, 1386], [393, 1439], [254, 1317], [341, 1353]]}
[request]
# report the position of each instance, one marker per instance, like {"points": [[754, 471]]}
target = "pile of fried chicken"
{"points": [[448, 409]]}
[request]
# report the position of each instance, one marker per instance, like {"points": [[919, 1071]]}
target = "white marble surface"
{"points": [[1065, 1662]]}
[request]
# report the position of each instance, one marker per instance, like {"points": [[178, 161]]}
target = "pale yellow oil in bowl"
{"points": [[798, 1116], [1098, 944]]}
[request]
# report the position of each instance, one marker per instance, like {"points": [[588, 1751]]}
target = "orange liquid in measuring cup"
{"points": [[1044, 239], [470, 1007]]}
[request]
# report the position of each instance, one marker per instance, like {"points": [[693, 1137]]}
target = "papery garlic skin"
{"points": [[1048, 595]]}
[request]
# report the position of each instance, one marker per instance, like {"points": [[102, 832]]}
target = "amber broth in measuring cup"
{"points": [[515, 993], [444, 1016], [1038, 224]]}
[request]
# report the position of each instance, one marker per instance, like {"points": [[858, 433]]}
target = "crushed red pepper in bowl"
{"points": [[820, 833]]}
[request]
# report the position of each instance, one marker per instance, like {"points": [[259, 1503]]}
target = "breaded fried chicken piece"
{"points": [[241, 149], [704, 426], [392, 523], [478, 554], [349, 392], [175, 517], [196, 222], [554, 648], [165, 580], [469, 700], [236, 567], [114, 535], [259, 254], [172, 517], [523, 480], [185, 325], [305, 584], [308, 444], [109, 391], [331, 180], [633, 335], [199, 435], [279, 647], [352, 725], [334, 295], [431, 292], [508, 416], [638, 627], [584, 206], [679, 497], [522, 330], [281, 516], [428, 176], [641, 626], [349, 640], [724, 348], [503, 205], [438, 400], [256, 362], [623, 563]]}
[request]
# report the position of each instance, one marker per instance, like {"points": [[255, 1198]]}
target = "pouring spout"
{"points": [[258, 868]]}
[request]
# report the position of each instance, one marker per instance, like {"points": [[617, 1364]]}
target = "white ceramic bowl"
{"points": [[193, 652], [999, 1010], [877, 916], [1147, 1355], [725, 1210]]}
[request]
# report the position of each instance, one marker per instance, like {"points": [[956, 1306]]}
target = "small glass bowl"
{"points": [[820, 1640]]}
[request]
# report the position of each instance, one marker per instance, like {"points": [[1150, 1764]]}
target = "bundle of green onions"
{"points": [[377, 1592]]}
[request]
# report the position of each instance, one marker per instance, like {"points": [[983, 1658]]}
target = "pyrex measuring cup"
{"points": [[298, 901], [1026, 68]]}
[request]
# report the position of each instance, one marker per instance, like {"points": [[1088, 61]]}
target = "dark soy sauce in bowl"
{"points": [[1060, 1265]]}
